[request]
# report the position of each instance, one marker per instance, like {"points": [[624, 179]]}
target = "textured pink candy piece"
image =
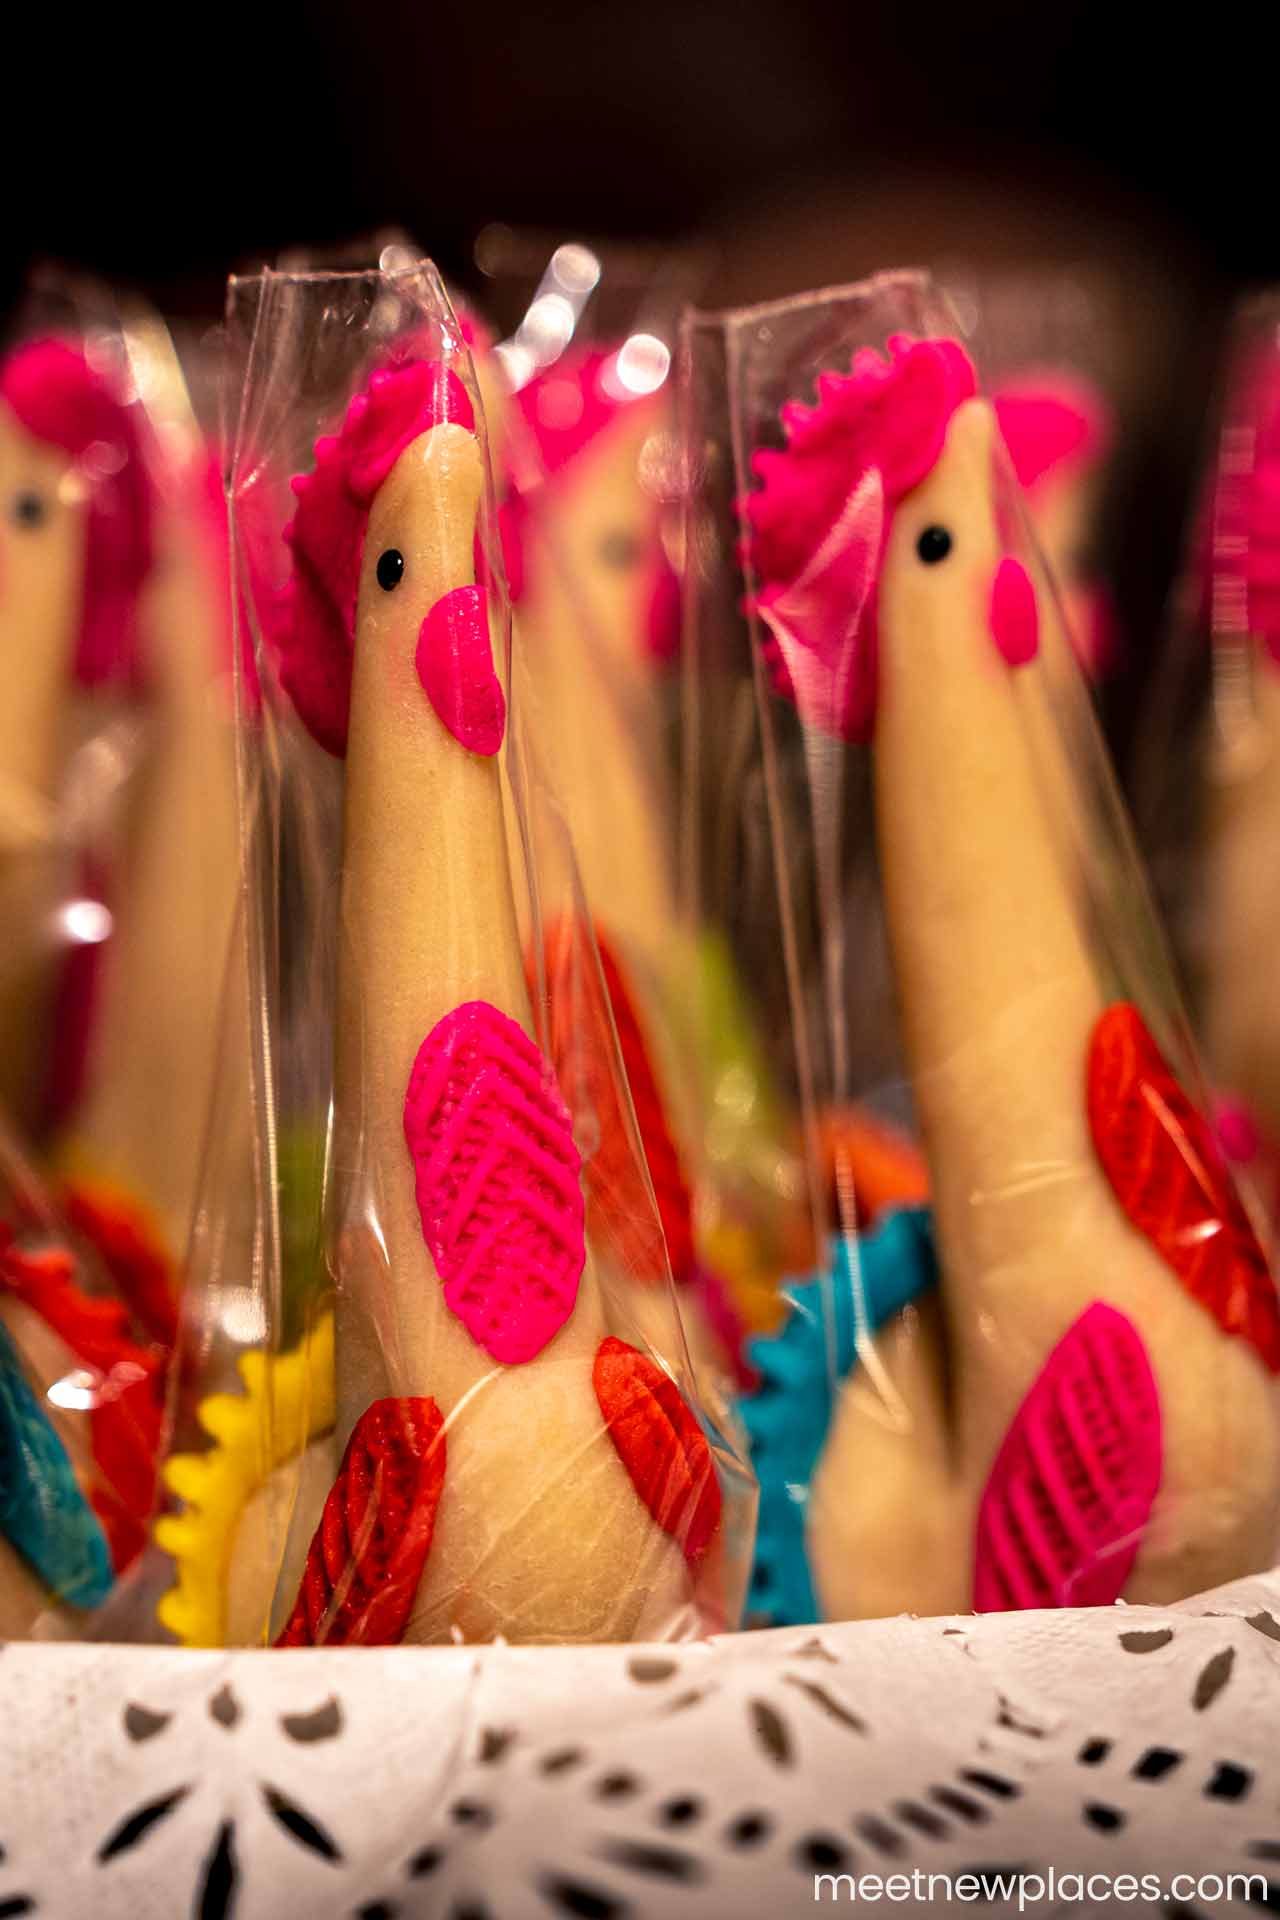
{"points": [[1015, 623], [1239, 537], [312, 627], [1051, 419], [455, 666], [60, 399], [565, 408], [1072, 1487], [816, 528], [557, 416], [497, 1176]]}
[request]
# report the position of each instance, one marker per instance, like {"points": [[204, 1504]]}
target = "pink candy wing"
{"points": [[1073, 1484], [497, 1177]]}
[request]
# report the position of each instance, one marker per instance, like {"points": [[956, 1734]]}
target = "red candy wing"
{"points": [[671, 1189], [584, 1017], [129, 1245], [1167, 1172], [660, 1444], [365, 1562], [126, 1421], [1069, 1496]]}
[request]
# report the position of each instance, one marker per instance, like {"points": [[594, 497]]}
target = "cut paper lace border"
{"points": [[619, 1783]]}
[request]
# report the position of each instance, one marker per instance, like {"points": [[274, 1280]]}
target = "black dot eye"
{"points": [[390, 569], [28, 509], [620, 549], [933, 545]]}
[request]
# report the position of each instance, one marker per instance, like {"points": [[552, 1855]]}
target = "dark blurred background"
{"points": [[166, 143], [805, 140]]}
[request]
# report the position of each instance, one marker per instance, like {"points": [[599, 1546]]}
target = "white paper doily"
{"points": [[625, 1783]]}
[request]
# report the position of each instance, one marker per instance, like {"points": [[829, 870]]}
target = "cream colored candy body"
{"points": [[163, 1018], [580, 627]]}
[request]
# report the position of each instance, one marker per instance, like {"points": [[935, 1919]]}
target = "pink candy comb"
{"points": [[497, 1176], [314, 631], [1245, 522], [576, 399], [1050, 419], [59, 398], [818, 524], [1063, 1512], [564, 411]]}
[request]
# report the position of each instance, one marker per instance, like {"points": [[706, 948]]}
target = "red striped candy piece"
{"points": [[660, 1444], [367, 1555], [1167, 1171]]}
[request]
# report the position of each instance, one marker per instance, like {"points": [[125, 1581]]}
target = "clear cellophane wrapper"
{"points": [[1058, 349], [431, 1404], [594, 534], [1035, 1365], [582, 432], [119, 871]]}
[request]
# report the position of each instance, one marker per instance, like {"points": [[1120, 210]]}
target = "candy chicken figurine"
{"points": [[1056, 428], [1083, 1407], [112, 976], [75, 547], [129, 1150], [505, 1466]]}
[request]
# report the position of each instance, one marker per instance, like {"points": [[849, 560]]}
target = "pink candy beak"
{"points": [[455, 665]]}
